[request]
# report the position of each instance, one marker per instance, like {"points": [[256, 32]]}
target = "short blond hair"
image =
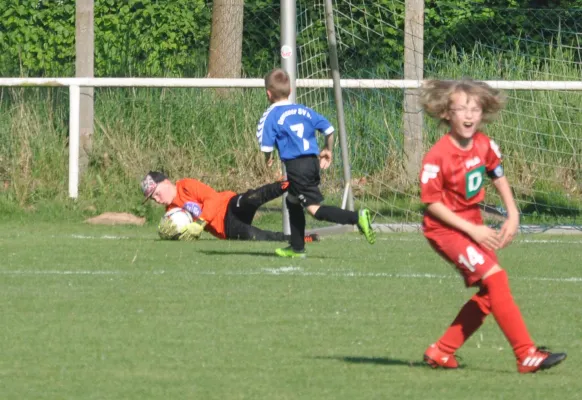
{"points": [[278, 83], [436, 97]]}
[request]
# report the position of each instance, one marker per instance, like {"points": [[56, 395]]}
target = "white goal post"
{"points": [[74, 85]]}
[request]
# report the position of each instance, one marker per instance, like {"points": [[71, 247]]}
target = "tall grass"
{"points": [[199, 133]]}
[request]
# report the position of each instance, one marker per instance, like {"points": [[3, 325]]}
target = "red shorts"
{"points": [[471, 260]]}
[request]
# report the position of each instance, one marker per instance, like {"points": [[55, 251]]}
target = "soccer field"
{"points": [[113, 313]]}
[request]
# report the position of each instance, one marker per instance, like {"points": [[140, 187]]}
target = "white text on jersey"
{"points": [[429, 171], [293, 111], [472, 162]]}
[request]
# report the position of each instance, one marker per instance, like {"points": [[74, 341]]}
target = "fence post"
{"points": [[74, 105], [413, 69]]}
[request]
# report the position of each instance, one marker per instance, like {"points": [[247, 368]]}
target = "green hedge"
{"points": [[171, 38]]}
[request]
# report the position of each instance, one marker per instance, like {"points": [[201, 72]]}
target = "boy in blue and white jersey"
{"points": [[291, 129]]}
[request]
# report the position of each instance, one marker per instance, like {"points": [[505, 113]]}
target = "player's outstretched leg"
{"points": [[365, 225], [249, 232], [244, 206], [253, 233], [362, 219], [255, 198]]}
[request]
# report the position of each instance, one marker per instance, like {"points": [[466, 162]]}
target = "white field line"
{"points": [[356, 238], [294, 271], [57, 272], [421, 239], [285, 271], [108, 237]]}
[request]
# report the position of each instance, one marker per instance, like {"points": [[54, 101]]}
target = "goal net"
{"points": [[539, 131]]}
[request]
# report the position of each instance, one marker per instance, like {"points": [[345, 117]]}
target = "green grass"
{"points": [[187, 132], [204, 134], [93, 312]]}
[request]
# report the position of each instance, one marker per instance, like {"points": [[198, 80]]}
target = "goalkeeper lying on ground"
{"points": [[226, 215]]}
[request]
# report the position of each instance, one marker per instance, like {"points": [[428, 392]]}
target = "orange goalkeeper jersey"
{"points": [[214, 204]]}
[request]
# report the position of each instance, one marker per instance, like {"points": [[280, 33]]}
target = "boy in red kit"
{"points": [[451, 181], [225, 215]]}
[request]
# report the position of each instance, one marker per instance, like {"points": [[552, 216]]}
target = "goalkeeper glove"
{"points": [[193, 230], [167, 230]]}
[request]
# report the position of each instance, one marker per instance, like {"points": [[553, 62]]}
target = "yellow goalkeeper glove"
{"points": [[167, 230], [193, 230]]}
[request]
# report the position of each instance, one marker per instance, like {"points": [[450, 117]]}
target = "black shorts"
{"points": [[303, 177], [239, 218]]}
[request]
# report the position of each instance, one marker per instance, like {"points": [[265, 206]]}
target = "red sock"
{"points": [[507, 313], [469, 319]]}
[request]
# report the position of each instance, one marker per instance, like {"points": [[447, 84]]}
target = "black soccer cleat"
{"points": [[539, 359], [553, 360]]}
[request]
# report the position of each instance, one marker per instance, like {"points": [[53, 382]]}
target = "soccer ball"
{"points": [[180, 218]]}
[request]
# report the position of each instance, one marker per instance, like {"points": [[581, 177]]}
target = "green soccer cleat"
{"points": [[365, 225], [290, 253]]}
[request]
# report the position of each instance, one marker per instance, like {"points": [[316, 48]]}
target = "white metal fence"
{"points": [[74, 85]]}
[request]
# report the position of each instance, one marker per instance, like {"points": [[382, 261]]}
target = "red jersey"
{"points": [[455, 177], [214, 204]]}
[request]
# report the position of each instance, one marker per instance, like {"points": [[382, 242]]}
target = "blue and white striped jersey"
{"points": [[291, 129]]}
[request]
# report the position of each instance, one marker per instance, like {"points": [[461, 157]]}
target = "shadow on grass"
{"points": [[236, 252], [374, 360], [260, 254]]}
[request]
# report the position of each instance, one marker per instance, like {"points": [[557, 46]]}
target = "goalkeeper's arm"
{"points": [[210, 211], [193, 230]]}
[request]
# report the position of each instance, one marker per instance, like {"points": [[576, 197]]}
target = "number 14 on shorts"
{"points": [[472, 258]]}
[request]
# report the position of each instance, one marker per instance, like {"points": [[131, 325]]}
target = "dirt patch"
{"points": [[113, 218]]}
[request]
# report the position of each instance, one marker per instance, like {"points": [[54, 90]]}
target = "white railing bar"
{"points": [[259, 83]]}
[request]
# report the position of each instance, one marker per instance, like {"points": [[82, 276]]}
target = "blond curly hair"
{"points": [[436, 97]]}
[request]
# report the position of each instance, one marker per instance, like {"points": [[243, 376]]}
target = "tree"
{"points": [[225, 58], [84, 56]]}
